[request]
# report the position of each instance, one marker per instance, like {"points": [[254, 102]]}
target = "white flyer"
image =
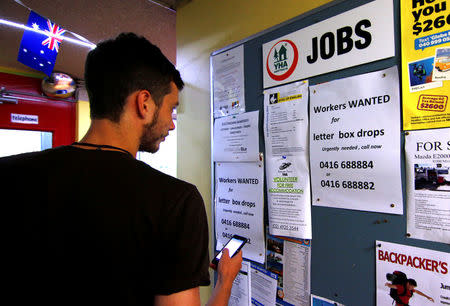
{"points": [[236, 138], [286, 141], [264, 286], [428, 184], [290, 259], [288, 196], [239, 206], [420, 273], [241, 290], [286, 119], [355, 143], [228, 82]]}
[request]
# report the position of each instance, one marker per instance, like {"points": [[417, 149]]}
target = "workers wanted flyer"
{"points": [[428, 184], [239, 206], [236, 138], [355, 143], [411, 276], [290, 259]]}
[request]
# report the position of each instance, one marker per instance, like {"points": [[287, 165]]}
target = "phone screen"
{"points": [[232, 246]]}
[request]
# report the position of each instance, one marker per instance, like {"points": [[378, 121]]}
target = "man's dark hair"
{"points": [[118, 67]]}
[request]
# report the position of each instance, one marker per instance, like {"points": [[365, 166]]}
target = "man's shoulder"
{"points": [[162, 179], [24, 158]]}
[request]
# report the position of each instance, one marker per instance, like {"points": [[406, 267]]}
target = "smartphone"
{"points": [[233, 245]]}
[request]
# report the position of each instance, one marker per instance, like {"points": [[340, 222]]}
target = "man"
{"points": [[405, 292], [90, 224]]}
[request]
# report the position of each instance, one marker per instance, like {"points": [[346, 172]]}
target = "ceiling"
{"points": [[95, 20]]}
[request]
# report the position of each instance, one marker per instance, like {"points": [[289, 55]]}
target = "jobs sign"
{"points": [[361, 35]]}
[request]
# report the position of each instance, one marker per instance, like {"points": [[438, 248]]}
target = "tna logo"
{"points": [[282, 60]]}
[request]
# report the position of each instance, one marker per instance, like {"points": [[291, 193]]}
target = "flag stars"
{"points": [[25, 50], [35, 26], [42, 51], [40, 64]]}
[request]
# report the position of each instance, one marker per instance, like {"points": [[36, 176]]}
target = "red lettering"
{"points": [[417, 266], [395, 257], [434, 267], [403, 259], [444, 269], [380, 255], [409, 263], [428, 262], [422, 263]]}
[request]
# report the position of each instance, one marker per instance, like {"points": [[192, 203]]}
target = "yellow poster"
{"points": [[425, 27]]}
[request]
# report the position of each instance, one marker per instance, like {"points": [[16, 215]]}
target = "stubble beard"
{"points": [[149, 141]]}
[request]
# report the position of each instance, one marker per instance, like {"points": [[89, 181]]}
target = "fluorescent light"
{"points": [[22, 26]]}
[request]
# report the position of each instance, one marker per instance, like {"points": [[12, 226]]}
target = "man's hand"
{"points": [[228, 267], [227, 270]]}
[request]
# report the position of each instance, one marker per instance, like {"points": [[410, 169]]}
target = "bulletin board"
{"points": [[343, 263]]}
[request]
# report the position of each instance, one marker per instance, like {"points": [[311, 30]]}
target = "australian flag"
{"points": [[38, 50]]}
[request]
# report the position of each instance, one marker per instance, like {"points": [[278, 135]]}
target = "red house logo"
{"points": [[282, 60]]}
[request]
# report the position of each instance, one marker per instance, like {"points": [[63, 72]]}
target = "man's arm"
{"points": [[227, 270], [424, 295], [190, 297]]}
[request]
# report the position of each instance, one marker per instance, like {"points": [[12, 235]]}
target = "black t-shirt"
{"points": [[91, 227]]}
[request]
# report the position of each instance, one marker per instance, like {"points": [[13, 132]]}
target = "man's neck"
{"points": [[107, 132]]}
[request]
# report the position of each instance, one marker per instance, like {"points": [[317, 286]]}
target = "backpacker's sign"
{"points": [[411, 275], [358, 36]]}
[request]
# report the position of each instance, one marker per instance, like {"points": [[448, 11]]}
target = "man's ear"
{"points": [[145, 106]]}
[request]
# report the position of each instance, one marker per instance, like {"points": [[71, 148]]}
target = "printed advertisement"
{"points": [[236, 138], [358, 36], [428, 184], [286, 119], [288, 196], [264, 286], [239, 206], [355, 143], [286, 139], [241, 291], [228, 82], [290, 259], [320, 301], [425, 28], [411, 276]]}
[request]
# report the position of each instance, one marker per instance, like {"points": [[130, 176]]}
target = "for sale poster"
{"points": [[425, 63], [421, 273], [428, 184]]}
